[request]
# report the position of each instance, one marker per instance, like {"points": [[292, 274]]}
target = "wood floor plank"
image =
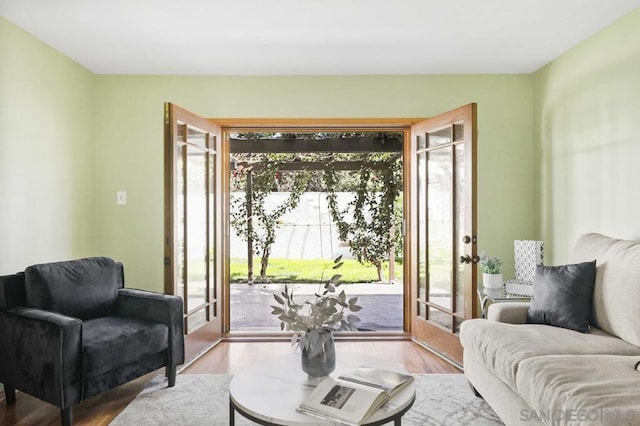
{"points": [[226, 358]]}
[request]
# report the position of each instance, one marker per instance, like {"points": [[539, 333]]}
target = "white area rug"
{"points": [[203, 399]]}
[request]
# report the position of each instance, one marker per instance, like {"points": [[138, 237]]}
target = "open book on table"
{"points": [[354, 396]]}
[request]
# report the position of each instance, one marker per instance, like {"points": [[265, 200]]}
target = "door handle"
{"points": [[467, 239], [468, 259]]}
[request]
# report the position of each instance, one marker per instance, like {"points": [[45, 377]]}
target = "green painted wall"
{"points": [[587, 135], [70, 139], [47, 180], [129, 144]]}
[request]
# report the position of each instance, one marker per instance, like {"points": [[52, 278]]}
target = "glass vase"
{"points": [[318, 354]]}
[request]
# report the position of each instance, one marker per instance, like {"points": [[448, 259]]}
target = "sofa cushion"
{"points": [[111, 342], [562, 296], [582, 389], [502, 347], [83, 288], [616, 294]]}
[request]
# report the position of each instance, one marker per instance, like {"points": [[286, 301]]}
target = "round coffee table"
{"points": [[269, 391]]}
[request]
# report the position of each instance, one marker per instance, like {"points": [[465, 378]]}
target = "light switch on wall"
{"points": [[121, 198]]}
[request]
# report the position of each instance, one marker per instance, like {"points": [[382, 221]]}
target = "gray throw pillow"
{"points": [[562, 296]]}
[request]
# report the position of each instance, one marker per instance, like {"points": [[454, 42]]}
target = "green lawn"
{"points": [[299, 271]]}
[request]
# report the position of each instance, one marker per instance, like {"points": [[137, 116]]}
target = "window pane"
{"points": [[458, 132], [422, 142], [439, 137], [441, 318], [422, 225], [197, 227], [179, 212], [458, 323], [212, 234], [440, 226], [459, 215], [196, 320], [182, 132], [196, 137]]}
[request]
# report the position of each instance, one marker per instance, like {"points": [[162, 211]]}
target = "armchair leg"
{"points": [[171, 374], [10, 395], [66, 416]]}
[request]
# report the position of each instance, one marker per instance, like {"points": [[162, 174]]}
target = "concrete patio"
{"points": [[382, 305]]}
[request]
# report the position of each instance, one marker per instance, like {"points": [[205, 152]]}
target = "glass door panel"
{"points": [[212, 295], [196, 206], [439, 137], [422, 226], [459, 206], [180, 255], [440, 226]]}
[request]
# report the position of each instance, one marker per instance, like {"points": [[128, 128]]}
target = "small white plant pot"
{"points": [[492, 280]]}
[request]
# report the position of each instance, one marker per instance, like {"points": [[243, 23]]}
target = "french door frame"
{"points": [[309, 125], [383, 124], [441, 339], [187, 134]]}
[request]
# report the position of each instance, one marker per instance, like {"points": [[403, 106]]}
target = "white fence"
{"points": [[307, 232]]}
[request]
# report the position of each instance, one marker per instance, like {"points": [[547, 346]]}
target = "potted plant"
{"points": [[313, 322], [491, 271]]}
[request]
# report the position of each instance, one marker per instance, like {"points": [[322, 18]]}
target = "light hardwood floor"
{"points": [[225, 358]]}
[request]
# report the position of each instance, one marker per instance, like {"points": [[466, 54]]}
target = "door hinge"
{"points": [[166, 113]]}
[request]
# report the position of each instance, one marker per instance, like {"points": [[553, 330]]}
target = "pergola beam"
{"points": [[359, 144], [313, 166]]}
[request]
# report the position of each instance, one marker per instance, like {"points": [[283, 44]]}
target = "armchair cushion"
{"points": [[85, 288], [111, 342]]}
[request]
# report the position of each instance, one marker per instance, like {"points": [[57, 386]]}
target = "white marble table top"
{"points": [[272, 389]]}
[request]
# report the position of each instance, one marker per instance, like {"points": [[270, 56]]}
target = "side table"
{"points": [[497, 295]]}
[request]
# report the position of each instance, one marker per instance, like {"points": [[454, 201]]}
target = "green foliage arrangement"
{"points": [[376, 209], [261, 225], [327, 313], [376, 225], [490, 265]]}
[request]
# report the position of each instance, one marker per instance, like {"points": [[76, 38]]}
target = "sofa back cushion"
{"points": [[83, 288], [616, 295]]}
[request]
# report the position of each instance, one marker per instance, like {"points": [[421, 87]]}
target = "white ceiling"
{"points": [[288, 37]]}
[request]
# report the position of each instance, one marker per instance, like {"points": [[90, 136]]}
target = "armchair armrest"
{"points": [[41, 354], [509, 312], [157, 307]]}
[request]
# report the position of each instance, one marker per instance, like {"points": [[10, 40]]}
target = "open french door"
{"points": [[443, 223], [193, 220]]}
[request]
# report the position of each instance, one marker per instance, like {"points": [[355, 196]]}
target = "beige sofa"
{"points": [[541, 374]]}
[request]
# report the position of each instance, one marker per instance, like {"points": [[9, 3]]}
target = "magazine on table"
{"points": [[354, 396]]}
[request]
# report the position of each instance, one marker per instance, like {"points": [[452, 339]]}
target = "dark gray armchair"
{"points": [[69, 330]]}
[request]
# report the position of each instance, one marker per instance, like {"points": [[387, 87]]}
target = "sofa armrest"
{"points": [[41, 354], [156, 307], [508, 312]]}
